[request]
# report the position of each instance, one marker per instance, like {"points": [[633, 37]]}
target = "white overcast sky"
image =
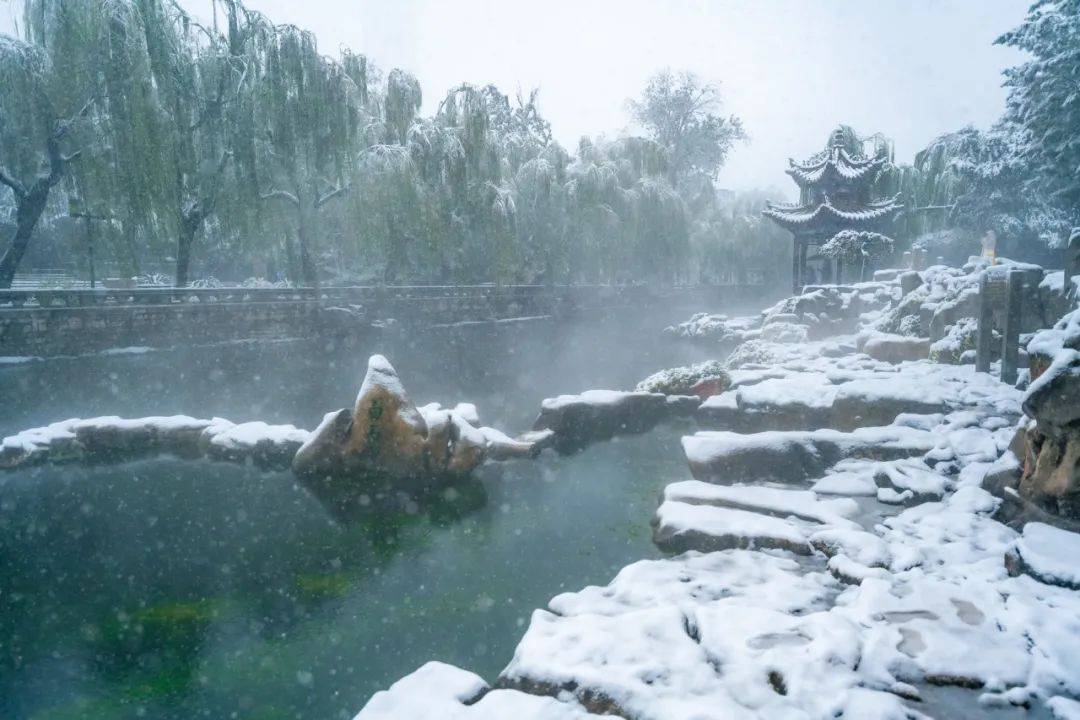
{"points": [[792, 69]]}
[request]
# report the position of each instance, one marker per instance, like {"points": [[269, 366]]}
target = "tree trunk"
{"points": [[307, 215], [292, 264], [184, 241], [307, 263], [28, 211]]}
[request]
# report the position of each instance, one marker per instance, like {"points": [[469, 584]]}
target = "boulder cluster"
{"points": [[1050, 475]]}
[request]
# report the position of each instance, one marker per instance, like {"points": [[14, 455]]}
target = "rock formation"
{"points": [[386, 437], [1051, 463], [576, 420], [703, 380]]}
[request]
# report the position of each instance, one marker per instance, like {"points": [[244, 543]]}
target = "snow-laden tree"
{"points": [[39, 124], [1044, 96], [312, 116], [730, 239], [681, 113], [857, 246], [231, 144], [968, 182]]}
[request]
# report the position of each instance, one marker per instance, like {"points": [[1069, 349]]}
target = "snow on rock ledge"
{"points": [[114, 439], [438, 691], [576, 420], [1048, 554], [385, 435], [678, 527], [792, 457]]}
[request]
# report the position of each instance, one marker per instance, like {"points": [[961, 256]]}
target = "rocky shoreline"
{"points": [[865, 516], [850, 540]]}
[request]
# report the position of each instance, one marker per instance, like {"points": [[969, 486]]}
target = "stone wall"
{"points": [[67, 323]]}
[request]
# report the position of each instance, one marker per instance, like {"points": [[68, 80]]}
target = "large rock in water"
{"points": [[577, 420], [385, 437]]}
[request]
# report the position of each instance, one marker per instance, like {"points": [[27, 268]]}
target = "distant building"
{"points": [[836, 192]]}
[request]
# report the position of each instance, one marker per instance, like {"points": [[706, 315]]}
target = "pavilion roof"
{"points": [[835, 163], [803, 217]]}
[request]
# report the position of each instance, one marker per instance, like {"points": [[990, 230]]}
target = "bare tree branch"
{"points": [[15, 185], [280, 195], [339, 190]]}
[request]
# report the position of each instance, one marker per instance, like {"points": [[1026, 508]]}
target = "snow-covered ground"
{"points": [[823, 572]]}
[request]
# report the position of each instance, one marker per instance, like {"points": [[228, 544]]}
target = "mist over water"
{"points": [[177, 589]]}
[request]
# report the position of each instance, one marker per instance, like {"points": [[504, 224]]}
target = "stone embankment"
{"points": [[853, 534], [869, 512]]}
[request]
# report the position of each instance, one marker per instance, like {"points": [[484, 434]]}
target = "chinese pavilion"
{"points": [[836, 192]]}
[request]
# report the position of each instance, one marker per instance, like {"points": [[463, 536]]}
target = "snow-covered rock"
{"points": [[775, 501], [438, 691], [577, 420], [896, 348], [269, 446], [726, 457], [387, 439], [679, 526], [1048, 554], [703, 380], [1051, 452]]}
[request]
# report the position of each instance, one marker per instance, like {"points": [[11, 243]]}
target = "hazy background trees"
{"points": [[231, 147]]}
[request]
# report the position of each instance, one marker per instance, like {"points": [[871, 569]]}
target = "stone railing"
{"points": [[46, 322], [85, 297]]}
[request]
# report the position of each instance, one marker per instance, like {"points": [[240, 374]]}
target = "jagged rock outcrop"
{"points": [[1050, 476], [385, 437]]}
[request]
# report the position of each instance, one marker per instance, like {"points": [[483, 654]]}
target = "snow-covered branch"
{"points": [[280, 195]]}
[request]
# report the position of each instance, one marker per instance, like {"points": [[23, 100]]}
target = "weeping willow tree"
{"points": [[39, 127], [231, 144], [857, 246], [732, 242], [311, 118]]}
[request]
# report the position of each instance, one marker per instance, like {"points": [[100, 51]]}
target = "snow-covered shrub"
{"points": [[153, 280], [857, 245], [911, 326], [258, 282], [959, 339], [753, 352], [784, 332], [684, 380]]}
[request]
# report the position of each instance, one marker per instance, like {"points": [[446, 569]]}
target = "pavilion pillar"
{"points": [[795, 279], [804, 249]]}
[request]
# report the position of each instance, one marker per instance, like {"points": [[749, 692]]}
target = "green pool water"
{"points": [[175, 589]]}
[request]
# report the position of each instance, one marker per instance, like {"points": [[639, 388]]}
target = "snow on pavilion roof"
{"points": [[792, 215], [836, 162]]}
